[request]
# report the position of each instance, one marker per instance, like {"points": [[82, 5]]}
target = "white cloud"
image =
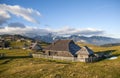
{"points": [[78, 31], [28, 31], [4, 16], [26, 13], [33, 31]]}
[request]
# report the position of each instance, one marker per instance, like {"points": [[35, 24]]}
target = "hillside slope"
{"points": [[20, 65]]}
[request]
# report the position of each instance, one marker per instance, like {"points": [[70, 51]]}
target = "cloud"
{"points": [[4, 16], [73, 31], [30, 15], [26, 13], [16, 25], [34, 31], [28, 31], [1, 27]]}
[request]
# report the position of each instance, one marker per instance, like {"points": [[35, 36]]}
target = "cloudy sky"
{"points": [[60, 17]]}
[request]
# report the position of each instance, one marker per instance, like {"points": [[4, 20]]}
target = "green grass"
{"points": [[15, 52], [20, 65]]}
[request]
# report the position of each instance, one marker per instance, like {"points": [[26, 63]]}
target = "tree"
{"points": [[7, 44]]}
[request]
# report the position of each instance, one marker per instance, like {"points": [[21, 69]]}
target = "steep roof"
{"points": [[85, 50], [64, 45], [33, 45], [59, 45]]}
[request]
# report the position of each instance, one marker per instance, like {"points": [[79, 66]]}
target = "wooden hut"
{"points": [[35, 46], [66, 48]]}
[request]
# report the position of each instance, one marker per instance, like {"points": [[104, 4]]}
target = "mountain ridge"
{"points": [[49, 38], [96, 40]]}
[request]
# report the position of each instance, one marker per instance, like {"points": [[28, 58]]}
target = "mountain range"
{"points": [[96, 40]]}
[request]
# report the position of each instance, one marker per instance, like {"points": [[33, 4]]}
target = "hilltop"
{"points": [[18, 41]]}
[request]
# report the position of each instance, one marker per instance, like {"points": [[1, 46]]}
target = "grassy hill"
{"points": [[18, 64]]}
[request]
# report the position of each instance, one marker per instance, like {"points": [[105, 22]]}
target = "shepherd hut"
{"points": [[65, 48], [35, 46]]}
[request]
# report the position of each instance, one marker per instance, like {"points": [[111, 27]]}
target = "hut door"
{"points": [[49, 53]]}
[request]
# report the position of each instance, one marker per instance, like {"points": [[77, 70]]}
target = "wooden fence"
{"points": [[73, 59]]}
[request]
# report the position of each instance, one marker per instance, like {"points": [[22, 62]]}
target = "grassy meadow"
{"points": [[18, 64]]}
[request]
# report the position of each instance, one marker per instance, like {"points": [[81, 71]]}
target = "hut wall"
{"points": [[58, 53], [82, 56]]}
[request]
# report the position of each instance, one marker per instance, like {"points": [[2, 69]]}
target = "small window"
{"points": [[55, 53]]}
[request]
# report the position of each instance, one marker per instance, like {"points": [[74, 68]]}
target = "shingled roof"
{"points": [[59, 45], [35, 46], [64, 45]]}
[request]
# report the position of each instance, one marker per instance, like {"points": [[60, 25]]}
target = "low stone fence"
{"points": [[73, 59], [2, 55]]}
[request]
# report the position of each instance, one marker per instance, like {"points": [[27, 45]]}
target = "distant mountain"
{"points": [[97, 40], [16, 36], [110, 45], [46, 38], [49, 38]]}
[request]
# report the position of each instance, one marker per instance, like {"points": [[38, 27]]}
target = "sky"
{"points": [[61, 17]]}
